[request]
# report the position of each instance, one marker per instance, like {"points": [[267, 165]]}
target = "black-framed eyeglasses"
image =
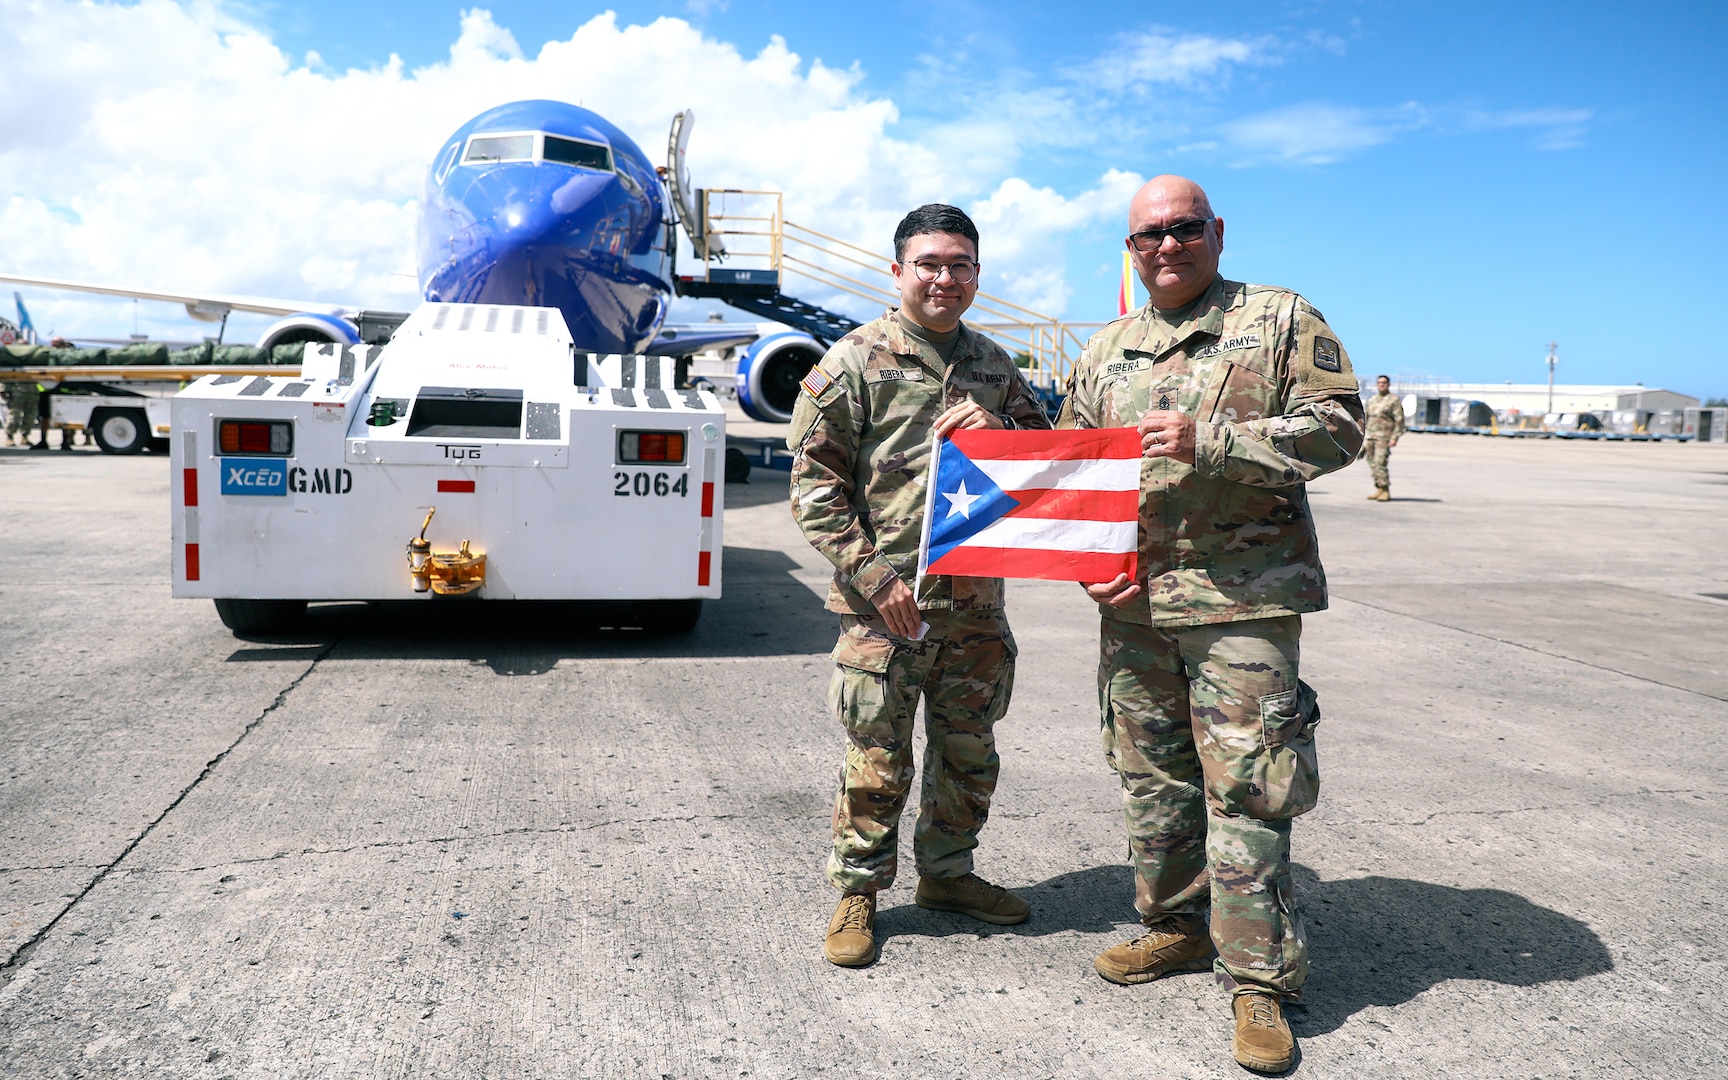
{"points": [[1185, 232], [960, 273]]}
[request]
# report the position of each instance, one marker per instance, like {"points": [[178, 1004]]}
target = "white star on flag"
{"points": [[959, 502]]}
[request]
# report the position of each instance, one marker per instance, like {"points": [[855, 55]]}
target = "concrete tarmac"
{"points": [[421, 842]]}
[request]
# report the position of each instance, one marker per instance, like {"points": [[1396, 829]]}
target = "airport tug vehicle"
{"points": [[477, 455]]}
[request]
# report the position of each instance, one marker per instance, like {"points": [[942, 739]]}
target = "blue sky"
{"points": [[1454, 185]]}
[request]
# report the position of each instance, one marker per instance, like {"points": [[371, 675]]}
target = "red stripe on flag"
{"points": [[1068, 445], [191, 562], [1076, 505], [189, 479], [703, 562], [1087, 566], [708, 499], [456, 485]]}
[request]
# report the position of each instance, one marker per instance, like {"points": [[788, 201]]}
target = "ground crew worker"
{"points": [[1241, 393], [861, 436], [21, 407], [1385, 428]]}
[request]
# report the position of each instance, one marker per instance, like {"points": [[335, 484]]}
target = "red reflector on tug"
{"points": [[456, 485]]}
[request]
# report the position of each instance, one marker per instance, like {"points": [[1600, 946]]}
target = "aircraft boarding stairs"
{"points": [[758, 292], [749, 231]]}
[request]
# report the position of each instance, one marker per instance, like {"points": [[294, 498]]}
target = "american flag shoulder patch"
{"points": [[816, 382]]}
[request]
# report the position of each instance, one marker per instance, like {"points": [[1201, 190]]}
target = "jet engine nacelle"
{"points": [[769, 374], [310, 326]]}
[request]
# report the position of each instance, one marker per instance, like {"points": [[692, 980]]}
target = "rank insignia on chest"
{"points": [[1326, 356], [816, 382], [1164, 401]]}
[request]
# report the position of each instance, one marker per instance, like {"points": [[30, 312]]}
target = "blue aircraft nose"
{"points": [[551, 233]]}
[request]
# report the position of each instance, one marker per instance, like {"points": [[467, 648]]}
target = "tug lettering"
{"points": [[320, 481], [459, 452], [240, 476]]}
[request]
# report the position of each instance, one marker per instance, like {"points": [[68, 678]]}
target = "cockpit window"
{"points": [[500, 148], [538, 146], [581, 154]]}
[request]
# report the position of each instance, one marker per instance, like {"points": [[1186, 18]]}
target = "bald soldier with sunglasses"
{"points": [[1241, 394]]}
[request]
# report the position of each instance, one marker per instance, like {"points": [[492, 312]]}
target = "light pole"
{"points": [[1553, 358]]}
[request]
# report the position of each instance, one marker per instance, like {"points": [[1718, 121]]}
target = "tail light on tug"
{"points": [[272, 438], [651, 448]]}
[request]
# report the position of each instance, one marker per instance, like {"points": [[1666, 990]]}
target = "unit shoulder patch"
{"points": [[1326, 355]]}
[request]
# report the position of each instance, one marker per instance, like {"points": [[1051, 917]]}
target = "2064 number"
{"points": [[644, 483]]}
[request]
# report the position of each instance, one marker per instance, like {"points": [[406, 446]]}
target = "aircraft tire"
{"points": [[666, 616], [120, 431], [260, 616]]}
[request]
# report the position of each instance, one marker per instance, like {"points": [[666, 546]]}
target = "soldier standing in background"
{"points": [[861, 437], [1385, 427], [22, 403], [1241, 393]]}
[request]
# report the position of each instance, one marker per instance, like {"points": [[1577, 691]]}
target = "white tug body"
{"points": [[568, 476]]}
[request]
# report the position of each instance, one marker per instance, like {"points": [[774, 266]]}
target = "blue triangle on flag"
{"points": [[966, 502]]}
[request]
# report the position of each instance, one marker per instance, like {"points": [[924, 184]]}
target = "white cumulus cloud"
{"points": [[176, 146], [1021, 227]]}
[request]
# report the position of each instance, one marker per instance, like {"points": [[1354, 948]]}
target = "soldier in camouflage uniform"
{"points": [[22, 404], [1241, 394], [861, 435], [1385, 428]]}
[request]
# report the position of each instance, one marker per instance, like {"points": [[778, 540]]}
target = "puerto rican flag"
{"points": [[1034, 504]]}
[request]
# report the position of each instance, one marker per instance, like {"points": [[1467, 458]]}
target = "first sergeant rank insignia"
{"points": [[1326, 354], [818, 381]]}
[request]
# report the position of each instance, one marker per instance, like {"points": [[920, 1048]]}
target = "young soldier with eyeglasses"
{"points": [[861, 438], [1241, 394]]}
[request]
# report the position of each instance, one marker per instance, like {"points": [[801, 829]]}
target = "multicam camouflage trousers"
{"points": [[1378, 452], [21, 406], [1212, 736], [964, 668]]}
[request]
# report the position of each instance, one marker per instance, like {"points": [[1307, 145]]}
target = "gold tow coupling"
{"points": [[444, 573]]}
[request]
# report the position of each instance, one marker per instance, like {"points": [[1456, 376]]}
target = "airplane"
{"points": [[546, 204], [25, 332]]}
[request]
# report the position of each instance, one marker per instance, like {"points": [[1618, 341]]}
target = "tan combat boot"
{"points": [[1381, 495], [851, 940], [971, 895], [1170, 944], [1263, 1039]]}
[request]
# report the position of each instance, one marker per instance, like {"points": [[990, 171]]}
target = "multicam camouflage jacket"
{"points": [[1385, 417], [861, 445], [1275, 404]]}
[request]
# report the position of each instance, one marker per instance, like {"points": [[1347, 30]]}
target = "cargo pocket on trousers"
{"points": [[1286, 779], [859, 692]]}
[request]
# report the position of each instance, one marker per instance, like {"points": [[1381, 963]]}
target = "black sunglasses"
{"points": [[1185, 232]]}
